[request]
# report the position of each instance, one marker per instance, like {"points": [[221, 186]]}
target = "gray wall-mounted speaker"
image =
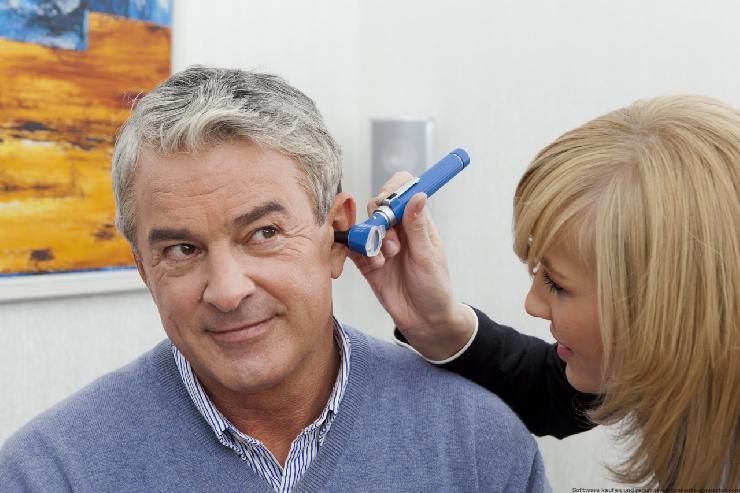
{"points": [[400, 144]]}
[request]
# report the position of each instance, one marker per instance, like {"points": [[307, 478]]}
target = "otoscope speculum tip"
{"points": [[366, 238]]}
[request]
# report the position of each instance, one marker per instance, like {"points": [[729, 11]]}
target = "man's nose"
{"points": [[536, 303], [228, 282]]}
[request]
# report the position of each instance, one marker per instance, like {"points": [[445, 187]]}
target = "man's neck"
{"points": [[276, 416]]}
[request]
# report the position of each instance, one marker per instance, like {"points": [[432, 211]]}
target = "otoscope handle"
{"points": [[432, 180], [367, 237]]}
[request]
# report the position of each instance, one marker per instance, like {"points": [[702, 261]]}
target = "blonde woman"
{"points": [[630, 227]]}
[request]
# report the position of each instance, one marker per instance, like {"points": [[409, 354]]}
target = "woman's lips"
{"points": [[564, 351]]}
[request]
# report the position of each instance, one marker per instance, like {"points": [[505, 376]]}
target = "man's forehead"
{"points": [[223, 167], [224, 185], [192, 166], [228, 211]]}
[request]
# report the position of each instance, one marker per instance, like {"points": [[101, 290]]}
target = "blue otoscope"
{"points": [[367, 237]]}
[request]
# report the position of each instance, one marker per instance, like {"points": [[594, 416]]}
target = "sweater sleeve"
{"points": [[26, 465], [527, 374]]}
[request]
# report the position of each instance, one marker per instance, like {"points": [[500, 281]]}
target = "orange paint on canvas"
{"points": [[59, 112]]}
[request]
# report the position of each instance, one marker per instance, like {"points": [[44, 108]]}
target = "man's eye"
{"points": [[181, 251], [263, 234]]}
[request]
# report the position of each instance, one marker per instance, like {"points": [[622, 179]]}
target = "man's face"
{"points": [[237, 263]]}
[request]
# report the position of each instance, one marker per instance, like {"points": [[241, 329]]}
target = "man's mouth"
{"points": [[241, 332]]}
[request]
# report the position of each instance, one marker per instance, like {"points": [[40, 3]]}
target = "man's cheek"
{"points": [[177, 298]]}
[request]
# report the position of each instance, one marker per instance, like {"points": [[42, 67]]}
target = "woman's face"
{"points": [[564, 292]]}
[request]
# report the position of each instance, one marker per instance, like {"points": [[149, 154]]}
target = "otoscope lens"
{"points": [[374, 240]]}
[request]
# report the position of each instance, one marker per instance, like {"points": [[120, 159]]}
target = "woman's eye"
{"points": [[264, 234], [552, 285], [181, 251]]}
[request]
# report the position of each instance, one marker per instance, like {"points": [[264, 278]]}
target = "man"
{"points": [[227, 186]]}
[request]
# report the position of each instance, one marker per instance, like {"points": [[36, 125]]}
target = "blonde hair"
{"points": [[648, 198]]}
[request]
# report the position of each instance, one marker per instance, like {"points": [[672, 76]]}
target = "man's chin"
{"points": [[249, 385], [247, 375]]}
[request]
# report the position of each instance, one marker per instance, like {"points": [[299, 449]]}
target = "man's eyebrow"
{"points": [[549, 268], [257, 213], [170, 234]]}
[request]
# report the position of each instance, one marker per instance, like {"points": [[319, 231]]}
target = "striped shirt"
{"points": [[306, 445]]}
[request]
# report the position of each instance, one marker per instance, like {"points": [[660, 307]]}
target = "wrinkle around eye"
{"points": [[300, 233], [297, 244]]}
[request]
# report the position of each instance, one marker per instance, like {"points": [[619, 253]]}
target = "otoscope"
{"points": [[367, 237]]}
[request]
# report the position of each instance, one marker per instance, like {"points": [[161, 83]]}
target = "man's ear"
{"points": [[342, 217]]}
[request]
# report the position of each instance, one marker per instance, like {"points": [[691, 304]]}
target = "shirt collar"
{"points": [[220, 424]]}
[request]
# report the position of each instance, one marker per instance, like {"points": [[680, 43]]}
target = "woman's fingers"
{"points": [[417, 226], [366, 265], [396, 181], [391, 244]]}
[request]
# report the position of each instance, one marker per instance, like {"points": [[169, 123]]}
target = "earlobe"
{"points": [[342, 217]]}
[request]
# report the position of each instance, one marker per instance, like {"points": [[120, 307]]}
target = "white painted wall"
{"points": [[502, 79]]}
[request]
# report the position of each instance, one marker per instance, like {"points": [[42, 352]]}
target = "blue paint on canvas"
{"points": [[63, 23], [157, 11], [55, 23], [115, 7]]}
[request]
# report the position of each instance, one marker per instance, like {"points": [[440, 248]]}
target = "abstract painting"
{"points": [[69, 72]]}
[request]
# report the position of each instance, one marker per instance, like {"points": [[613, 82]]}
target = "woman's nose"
{"points": [[536, 303]]}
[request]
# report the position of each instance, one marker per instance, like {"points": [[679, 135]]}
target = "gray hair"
{"points": [[202, 107]]}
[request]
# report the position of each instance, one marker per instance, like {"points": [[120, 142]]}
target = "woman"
{"points": [[630, 227]]}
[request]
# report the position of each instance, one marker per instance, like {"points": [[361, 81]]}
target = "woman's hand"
{"points": [[411, 280]]}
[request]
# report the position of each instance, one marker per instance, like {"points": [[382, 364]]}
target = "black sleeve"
{"points": [[527, 374]]}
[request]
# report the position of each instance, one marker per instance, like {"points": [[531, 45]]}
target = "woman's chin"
{"points": [[582, 383]]}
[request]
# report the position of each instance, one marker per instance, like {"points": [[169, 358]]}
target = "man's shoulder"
{"points": [[104, 404], [476, 439], [113, 432], [397, 370]]}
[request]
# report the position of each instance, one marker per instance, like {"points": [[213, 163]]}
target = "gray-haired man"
{"points": [[227, 186]]}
